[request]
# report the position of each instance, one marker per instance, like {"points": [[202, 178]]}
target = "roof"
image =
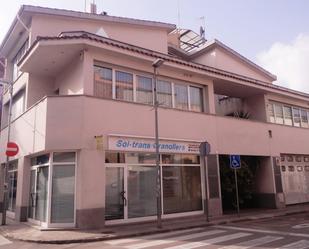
{"points": [[216, 43], [168, 58], [209, 45], [84, 15]]}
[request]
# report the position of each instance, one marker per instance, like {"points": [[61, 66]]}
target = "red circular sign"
{"points": [[12, 149]]}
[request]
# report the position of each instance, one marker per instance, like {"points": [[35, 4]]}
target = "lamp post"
{"points": [[6, 166], [156, 64]]}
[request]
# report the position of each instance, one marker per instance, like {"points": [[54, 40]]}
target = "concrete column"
{"points": [[90, 189], [22, 193], [214, 190], [279, 195]]}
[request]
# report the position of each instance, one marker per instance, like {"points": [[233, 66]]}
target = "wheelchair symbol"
{"points": [[235, 161]]}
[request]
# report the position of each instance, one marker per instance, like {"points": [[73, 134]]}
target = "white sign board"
{"points": [[148, 145]]}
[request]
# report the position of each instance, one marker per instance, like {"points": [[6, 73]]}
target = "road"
{"points": [[288, 232]]}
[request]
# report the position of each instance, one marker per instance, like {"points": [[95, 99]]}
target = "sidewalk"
{"points": [[25, 232]]}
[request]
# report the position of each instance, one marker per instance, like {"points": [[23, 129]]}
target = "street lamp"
{"points": [[156, 64], [6, 166]]}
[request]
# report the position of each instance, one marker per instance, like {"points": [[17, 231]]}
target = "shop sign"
{"points": [[149, 145]]}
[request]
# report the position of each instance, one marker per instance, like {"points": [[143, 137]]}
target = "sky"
{"points": [[272, 33]]}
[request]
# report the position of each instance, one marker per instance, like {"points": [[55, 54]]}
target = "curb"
{"points": [[164, 230]]}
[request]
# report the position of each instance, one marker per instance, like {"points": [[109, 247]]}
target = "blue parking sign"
{"points": [[235, 162]]}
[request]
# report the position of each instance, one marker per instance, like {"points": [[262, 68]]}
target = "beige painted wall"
{"points": [[70, 81], [224, 60], [147, 37], [38, 87]]}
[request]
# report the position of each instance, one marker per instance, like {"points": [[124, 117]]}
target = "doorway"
{"points": [[38, 194]]}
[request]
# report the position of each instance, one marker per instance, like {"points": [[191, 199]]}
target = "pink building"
{"points": [[84, 122]]}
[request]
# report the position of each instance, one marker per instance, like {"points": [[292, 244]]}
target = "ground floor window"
{"points": [[52, 188], [12, 185], [131, 190], [181, 189]]}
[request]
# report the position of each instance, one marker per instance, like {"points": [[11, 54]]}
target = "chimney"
{"points": [[93, 8]]}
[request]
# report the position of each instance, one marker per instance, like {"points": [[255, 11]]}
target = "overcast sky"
{"points": [[272, 33]]}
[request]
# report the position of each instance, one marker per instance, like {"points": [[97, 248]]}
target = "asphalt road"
{"points": [[288, 232]]}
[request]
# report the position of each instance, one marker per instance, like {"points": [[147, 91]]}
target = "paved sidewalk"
{"points": [[26, 232]]}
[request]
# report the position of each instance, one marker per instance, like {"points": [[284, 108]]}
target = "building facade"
{"points": [[83, 118]]}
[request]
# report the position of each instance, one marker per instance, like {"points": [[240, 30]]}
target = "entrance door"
{"points": [[130, 192], [38, 193], [115, 198]]}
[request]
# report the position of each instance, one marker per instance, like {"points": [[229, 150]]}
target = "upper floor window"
{"points": [[288, 115], [164, 93], [124, 86], [17, 58], [196, 98], [116, 84], [103, 82], [181, 97], [144, 90]]}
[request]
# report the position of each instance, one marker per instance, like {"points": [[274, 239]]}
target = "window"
{"points": [[63, 188], [288, 115], [271, 113], [18, 105], [17, 58], [299, 168], [196, 99], [115, 84], [181, 96], [291, 168], [144, 90], [12, 185], [287, 110], [283, 169], [181, 189], [103, 82], [296, 117], [164, 93], [304, 118], [278, 113], [124, 86]]}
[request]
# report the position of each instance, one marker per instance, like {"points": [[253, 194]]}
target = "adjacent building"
{"points": [[83, 119]]}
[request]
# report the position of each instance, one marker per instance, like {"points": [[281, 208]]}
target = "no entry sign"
{"points": [[12, 149]]}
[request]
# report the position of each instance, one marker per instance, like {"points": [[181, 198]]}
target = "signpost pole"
{"points": [[204, 151], [206, 188], [156, 64], [236, 185]]}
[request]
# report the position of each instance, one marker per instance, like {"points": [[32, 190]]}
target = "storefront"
{"points": [[52, 190], [130, 179]]}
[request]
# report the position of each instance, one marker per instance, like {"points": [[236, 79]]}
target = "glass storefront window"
{"points": [[63, 157], [141, 191], [43, 159], [181, 189], [144, 90], [62, 199], [103, 83], [62, 192], [12, 185], [180, 159]]}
